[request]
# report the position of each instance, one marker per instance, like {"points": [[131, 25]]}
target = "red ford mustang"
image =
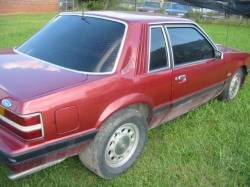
{"points": [[93, 84]]}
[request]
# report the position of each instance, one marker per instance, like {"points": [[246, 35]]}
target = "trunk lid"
{"points": [[23, 77]]}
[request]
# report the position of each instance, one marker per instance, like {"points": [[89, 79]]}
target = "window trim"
{"points": [[198, 29], [186, 23], [166, 49], [118, 57]]}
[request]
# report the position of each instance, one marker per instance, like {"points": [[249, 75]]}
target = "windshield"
{"points": [[152, 4], [84, 44]]}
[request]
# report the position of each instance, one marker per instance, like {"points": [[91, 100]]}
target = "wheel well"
{"points": [[244, 68], [145, 109]]}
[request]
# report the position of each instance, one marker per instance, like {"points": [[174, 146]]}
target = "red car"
{"points": [[93, 84]]}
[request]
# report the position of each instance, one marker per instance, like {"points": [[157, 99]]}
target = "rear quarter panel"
{"points": [[96, 99]]}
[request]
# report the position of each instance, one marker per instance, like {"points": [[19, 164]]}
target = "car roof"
{"points": [[131, 17]]}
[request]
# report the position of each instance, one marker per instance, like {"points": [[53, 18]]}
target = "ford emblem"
{"points": [[6, 103]]}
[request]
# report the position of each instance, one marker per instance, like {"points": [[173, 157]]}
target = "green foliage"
{"points": [[99, 4], [111, 4], [209, 146], [95, 5], [91, 5], [196, 16]]}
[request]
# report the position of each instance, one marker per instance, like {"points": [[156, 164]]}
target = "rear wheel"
{"points": [[122, 145], [117, 145], [232, 87]]}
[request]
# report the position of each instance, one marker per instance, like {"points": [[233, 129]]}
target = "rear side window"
{"points": [[189, 45], [158, 55]]}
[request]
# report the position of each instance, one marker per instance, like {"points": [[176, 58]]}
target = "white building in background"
{"points": [[202, 10]]}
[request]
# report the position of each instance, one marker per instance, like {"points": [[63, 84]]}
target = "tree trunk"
{"points": [[106, 4]]}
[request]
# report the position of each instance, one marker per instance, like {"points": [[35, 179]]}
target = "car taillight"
{"points": [[28, 127]]}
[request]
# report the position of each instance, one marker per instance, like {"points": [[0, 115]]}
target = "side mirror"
{"points": [[218, 55]]}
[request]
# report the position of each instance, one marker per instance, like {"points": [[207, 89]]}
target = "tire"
{"points": [[232, 87], [117, 145]]}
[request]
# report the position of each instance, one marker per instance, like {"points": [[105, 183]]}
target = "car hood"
{"points": [[22, 77], [226, 49]]}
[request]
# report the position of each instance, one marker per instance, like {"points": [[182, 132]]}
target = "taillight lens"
{"points": [[28, 127], [23, 121]]}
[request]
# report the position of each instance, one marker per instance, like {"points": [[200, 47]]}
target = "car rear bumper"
{"points": [[30, 161]]}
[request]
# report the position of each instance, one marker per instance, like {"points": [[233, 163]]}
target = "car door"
{"points": [[192, 55], [156, 80]]}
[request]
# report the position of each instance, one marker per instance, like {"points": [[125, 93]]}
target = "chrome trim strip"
{"points": [[178, 21], [170, 48], [42, 128], [193, 63], [187, 24], [34, 170], [166, 48], [82, 72], [21, 128]]}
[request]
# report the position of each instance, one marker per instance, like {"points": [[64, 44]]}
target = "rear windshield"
{"points": [[79, 43]]}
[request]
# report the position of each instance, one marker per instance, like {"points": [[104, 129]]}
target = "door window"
{"points": [[158, 54], [189, 45]]}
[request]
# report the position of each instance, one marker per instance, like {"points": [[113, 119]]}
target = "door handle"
{"points": [[181, 78]]}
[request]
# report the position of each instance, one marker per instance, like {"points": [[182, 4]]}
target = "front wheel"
{"points": [[232, 87], [117, 145]]}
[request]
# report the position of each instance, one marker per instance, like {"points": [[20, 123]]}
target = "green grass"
{"points": [[209, 146], [15, 29], [235, 36]]}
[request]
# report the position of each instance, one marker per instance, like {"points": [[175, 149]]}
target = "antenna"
{"points": [[83, 17], [83, 12]]}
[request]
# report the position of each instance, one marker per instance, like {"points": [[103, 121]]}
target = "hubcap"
{"points": [[122, 145], [234, 86]]}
